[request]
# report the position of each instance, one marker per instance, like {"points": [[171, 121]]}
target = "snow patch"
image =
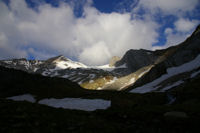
{"points": [[122, 66], [8, 62], [77, 79], [170, 72], [112, 81], [25, 97], [80, 82], [194, 74], [35, 69], [103, 67], [99, 88], [107, 67], [77, 103], [68, 64], [171, 86], [65, 76], [67, 103], [91, 81]]}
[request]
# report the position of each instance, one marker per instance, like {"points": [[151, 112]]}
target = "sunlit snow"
{"points": [[112, 81], [69, 64]]}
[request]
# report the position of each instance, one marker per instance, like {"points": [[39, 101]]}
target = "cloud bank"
{"points": [[177, 7], [92, 38], [183, 25]]}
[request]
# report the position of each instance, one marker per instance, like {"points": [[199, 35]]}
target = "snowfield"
{"points": [[171, 86], [107, 67], [67, 103], [195, 74], [69, 64], [25, 97], [152, 86], [77, 103]]}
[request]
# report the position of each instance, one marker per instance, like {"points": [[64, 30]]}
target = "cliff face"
{"points": [[136, 59]]}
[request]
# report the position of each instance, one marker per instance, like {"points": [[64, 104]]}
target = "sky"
{"points": [[92, 31]]}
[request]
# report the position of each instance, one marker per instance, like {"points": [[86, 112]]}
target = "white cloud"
{"points": [[93, 38], [116, 31], [96, 54], [9, 35], [169, 6], [175, 38], [179, 9], [185, 25], [168, 31], [183, 29]]}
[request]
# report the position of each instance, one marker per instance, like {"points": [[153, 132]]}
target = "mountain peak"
{"points": [[57, 59], [135, 59], [60, 56]]}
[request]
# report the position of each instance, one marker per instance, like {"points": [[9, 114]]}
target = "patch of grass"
{"points": [[99, 82]]}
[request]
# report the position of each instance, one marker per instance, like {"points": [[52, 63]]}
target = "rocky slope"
{"points": [[177, 111], [182, 61], [61, 66]]}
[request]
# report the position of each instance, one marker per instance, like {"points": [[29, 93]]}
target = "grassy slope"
{"points": [[128, 113]]}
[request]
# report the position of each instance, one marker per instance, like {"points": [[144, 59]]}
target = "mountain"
{"points": [[37, 96], [30, 102], [90, 77], [135, 69], [16, 82], [172, 66]]}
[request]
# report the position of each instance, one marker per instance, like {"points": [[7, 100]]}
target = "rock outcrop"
{"points": [[136, 59], [113, 61]]}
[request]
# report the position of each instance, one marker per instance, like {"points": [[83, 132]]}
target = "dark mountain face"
{"points": [[136, 59], [173, 57], [16, 82]]}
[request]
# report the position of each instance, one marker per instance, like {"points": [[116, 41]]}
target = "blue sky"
{"points": [[92, 31]]}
